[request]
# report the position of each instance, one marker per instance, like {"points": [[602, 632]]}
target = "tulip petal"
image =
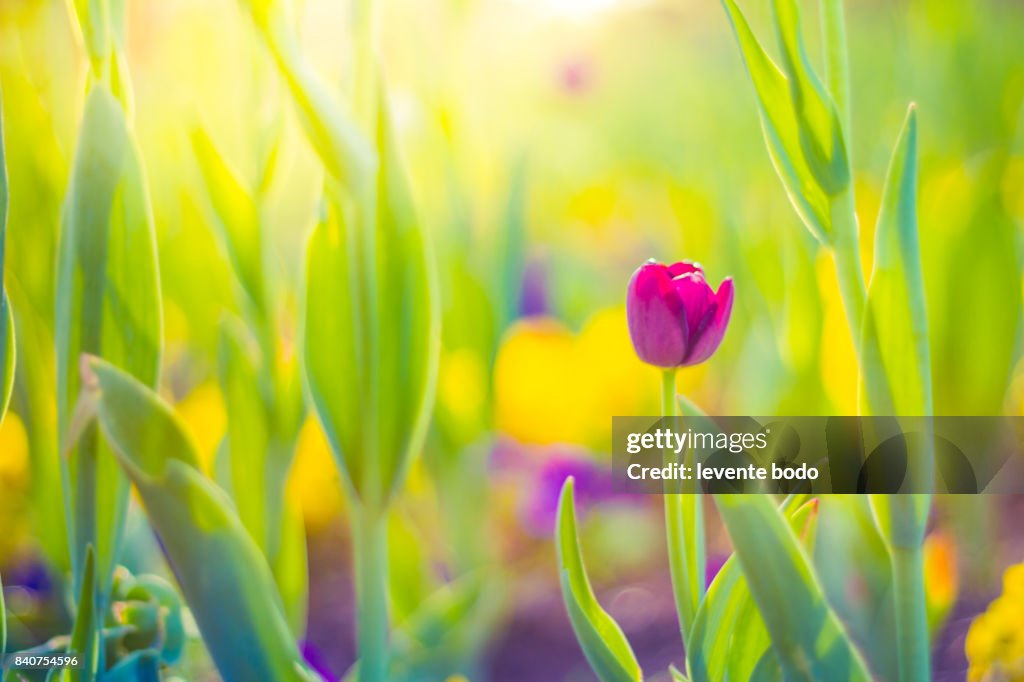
{"points": [[684, 267], [656, 316], [698, 302], [711, 336]]}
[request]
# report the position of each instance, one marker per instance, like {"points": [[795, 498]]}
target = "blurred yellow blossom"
{"points": [[203, 413], [14, 469], [462, 386], [553, 386], [314, 485], [995, 641]]}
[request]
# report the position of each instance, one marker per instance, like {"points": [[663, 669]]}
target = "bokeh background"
{"points": [[553, 145]]}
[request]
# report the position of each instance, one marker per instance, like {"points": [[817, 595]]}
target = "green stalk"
{"points": [[370, 542], [684, 527], [911, 613]]}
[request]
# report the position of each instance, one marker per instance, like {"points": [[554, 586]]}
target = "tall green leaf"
{"points": [[806, 636], [224, 578], [85, 634], [6, 316], [801, 127], [605, 646], [895, 317], [108, 304], [372, 332]]}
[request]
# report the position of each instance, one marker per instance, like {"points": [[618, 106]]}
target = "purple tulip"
{"points": [[675, 318]]}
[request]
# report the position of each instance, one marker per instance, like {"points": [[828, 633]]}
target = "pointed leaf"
{"points": [[224, 578], [806, 636], [605, 646], [782, 129], [85, 632], [895, 333], [238, 216], [108, 304], [372, 335]]}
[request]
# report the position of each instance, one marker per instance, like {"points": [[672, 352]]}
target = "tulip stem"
{"points": [[911, 613], [684, 527], [370, 540]]}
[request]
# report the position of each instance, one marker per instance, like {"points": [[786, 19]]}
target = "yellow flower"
{"points": [[552, 386], [995, 641], [203, 413], [14, 468], [314, 485]]}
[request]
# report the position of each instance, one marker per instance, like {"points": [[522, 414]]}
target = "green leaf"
{"points": [[238, 216], [6, 315], [92, 17], [799, 121], [139, 666], [806, 636], [372, 334], [108, 304], [85, 632], [847, 529], [729, 639], [222, 573], [894, 345], [248, 440], [345, 152], [603, 643]]}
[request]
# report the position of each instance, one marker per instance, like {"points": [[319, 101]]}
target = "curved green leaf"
{"points": [[346, 153], [807, 638], [603, 643], [221, 571], [238, 216], [108, 304], [805, 144]]}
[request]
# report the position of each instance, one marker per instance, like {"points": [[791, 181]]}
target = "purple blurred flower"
{"points": [[593, 485], [675, 318], [533, 292]]}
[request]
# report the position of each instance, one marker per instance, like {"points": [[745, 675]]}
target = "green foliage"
{"points": [[806, 636], [729, 640], [371, 337], [85, 633], [801, 126], [6, 315], [223, 575], [605, 646], [846, 528], [895, 316], [108, 304]]}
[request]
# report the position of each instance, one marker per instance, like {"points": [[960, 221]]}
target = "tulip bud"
{"points": [[675, 318]]}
